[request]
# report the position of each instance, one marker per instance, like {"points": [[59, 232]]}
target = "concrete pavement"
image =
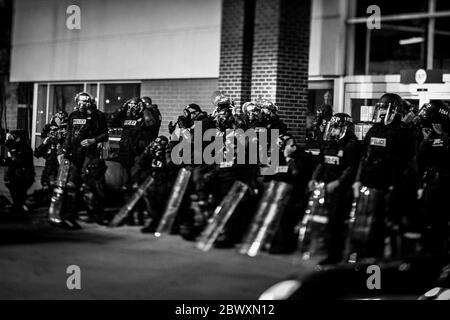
{"points": [[122, 263], [37, 184]]}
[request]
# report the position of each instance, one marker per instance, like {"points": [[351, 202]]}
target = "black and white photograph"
{"points": [[223, 155]]}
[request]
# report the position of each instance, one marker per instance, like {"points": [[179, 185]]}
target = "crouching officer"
{"points": [[434, 166], [54, 135], [156, 162], [339, 160], [388, 152], [86, 128], [19, 175], [296, 168]]}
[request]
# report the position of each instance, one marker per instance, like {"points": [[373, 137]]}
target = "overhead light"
{"points": [[413, 40]]}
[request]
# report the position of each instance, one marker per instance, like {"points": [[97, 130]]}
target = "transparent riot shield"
{"points": [[267, 218], [222, 215], [173, 205], [366, 225], [313, 228], [126, 209], [57, 200]]}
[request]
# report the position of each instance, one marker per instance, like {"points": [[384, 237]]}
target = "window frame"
{"points": [[354, 20], [50, 86]]}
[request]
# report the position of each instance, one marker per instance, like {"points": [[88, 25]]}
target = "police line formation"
{"points": [[382, 197]]}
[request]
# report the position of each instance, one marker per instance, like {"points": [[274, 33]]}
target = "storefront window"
{"points": [[361, 114], [403, 41], [115, 94], [441, 40], [41, 112], [63, 98], [92, 89], [396, 46], [389, 7]]}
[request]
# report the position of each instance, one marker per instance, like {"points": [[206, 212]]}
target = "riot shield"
{"points": [[57, 200], [140, 192], [222, 215], [265, 223], [173, 205], [313, 228], [366, 225]]}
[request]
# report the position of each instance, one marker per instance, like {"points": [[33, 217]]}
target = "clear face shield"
{"points": [[334, 131], [253, 112], [84, 103], [384, 113]]}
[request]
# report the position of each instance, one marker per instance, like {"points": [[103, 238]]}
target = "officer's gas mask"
{"points": [[133, 109], [223, 119], [268, 110], [191, 114], [252, 111], [84, 102], [286, 144], [158, 150], [60, 119], [434, 118]]}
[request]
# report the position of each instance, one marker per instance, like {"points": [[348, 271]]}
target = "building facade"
{"points": [[301, 54]]}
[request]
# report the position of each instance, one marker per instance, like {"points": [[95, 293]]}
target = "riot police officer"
{"points": [[388, 152], [323, 115], [193, 121], [156, 161], [54, 136], [19, 175], [147, 104], [434, 165], [230, 170], [86, 128], [270, 117], [338, 164], [133, 119], [296, 168]]}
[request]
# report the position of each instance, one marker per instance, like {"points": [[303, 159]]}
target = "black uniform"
{"points": [[130, 128], [81, 126], [54, 139], [388, 152], [19, 175], [434, 165], [299, 169], [339, 160]]}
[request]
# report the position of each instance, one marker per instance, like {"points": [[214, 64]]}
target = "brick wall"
{"points": [[293, 55], [11, 105], [265, 52], [172, 96], [280, 58], [236, 49], [278, 43]]}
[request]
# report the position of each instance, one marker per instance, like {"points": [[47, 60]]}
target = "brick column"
{"points": [[280, 58], [236, 48]]}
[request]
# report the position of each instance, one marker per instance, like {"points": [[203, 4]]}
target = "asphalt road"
{"points": [[122, 263]]}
